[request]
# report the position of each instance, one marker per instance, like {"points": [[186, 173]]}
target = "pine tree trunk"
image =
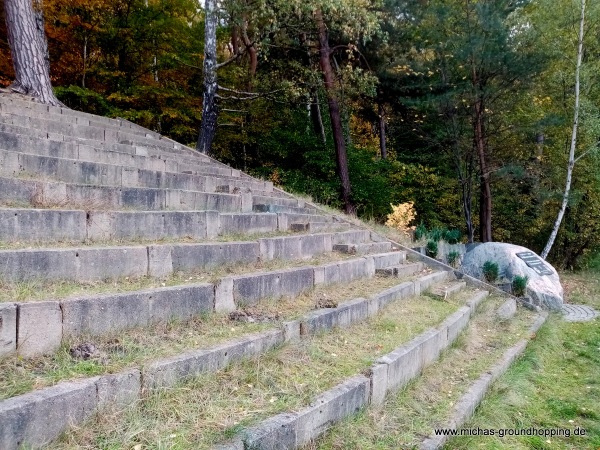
{"points": [[29, 50], [571, 164], [334, 113], [210, 111]]}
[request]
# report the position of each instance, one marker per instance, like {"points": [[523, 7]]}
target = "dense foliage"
{"points": [[462, 107]]}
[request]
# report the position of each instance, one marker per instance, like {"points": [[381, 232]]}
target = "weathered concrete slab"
{"points": [[403, 270], [107, 225], [346, 271], [385, 260], [379, 383], [83, 264], [398, 292], [454, 325], [352, 237], [247, 223], [275, 433], [331, 407], [31, 225], [170, 371], [249, 289], [39, 329], [117, 391], [36, 418], [425, 282], [101, 315], [196, 256], [344, 315], [8, 328], [286, 248], [507, 310]]}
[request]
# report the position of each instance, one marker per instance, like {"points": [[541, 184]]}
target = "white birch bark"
{"points": [[571, 164]]}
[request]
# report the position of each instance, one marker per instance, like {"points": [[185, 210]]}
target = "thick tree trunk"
{"points": [[382, 140], [334, 113], [571, 164], [29, 50], [485, 203], [210, 111]]}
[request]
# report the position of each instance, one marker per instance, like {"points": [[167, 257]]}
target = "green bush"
{"points": [[453, 257], [452, 236], [519, 285], [490, 271], [432, 249], [420, 232], [437, 234]]}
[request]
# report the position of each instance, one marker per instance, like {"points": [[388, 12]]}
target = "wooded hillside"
{"points": [[466, 108]]}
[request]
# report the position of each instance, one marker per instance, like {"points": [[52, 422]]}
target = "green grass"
{"points": [[555, 385], [409, 416], [212, 407]]}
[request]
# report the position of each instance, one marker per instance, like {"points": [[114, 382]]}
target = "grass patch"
{"points": [[407, 418], [213, 407], [133, 347], [35, 290], [555, 385]]}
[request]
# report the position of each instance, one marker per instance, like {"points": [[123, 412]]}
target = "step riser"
{"points": [[37, 225], [89, 264], [83, 172], [18, 139], [40, 327], [51, 195]]}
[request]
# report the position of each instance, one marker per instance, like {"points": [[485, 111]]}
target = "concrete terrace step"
{"points": [[449, 289], [51, 225], [47, 194], [97, 263], [14, 138], [447, 392], [15, 164], [364, 248], [38, 328], [72, 402]]}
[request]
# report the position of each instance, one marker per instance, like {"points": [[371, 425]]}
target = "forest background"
{"points": [[464, 107]]}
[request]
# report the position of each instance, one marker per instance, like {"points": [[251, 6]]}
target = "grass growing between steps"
{"points": [[213, 407], [134, 347], [556, 385], [409, 416], [36, 290]]}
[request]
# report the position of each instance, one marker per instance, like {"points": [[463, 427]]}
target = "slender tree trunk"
{"points": [[252, 53], [316, 117], [85, 53], [382, 140], [571, 164], [29, 50], [334, 112], [210, 111], [485, 204]]}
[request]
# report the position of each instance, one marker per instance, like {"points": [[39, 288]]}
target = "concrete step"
{"points": [[447, 290], [318, 227], [16, 164], [15, 138], [47, 194], [70, 403], [273, 208], [446, 394], [39, 327], [401, 270], [89, 263], [63, 225], [362, 249]]}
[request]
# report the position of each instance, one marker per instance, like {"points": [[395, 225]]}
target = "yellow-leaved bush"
{"points": [[401, 217]]}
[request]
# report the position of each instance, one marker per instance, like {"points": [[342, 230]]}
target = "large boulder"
{"points": [[543, 287]]}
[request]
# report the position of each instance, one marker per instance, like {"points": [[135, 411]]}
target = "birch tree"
{"points": [[209, 101], [573, 146], [29, 50]]}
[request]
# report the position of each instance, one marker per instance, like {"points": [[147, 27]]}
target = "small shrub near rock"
{"points": [[401, 217], [453, 258], [519, 285], [490, 271], [432, 249]]}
